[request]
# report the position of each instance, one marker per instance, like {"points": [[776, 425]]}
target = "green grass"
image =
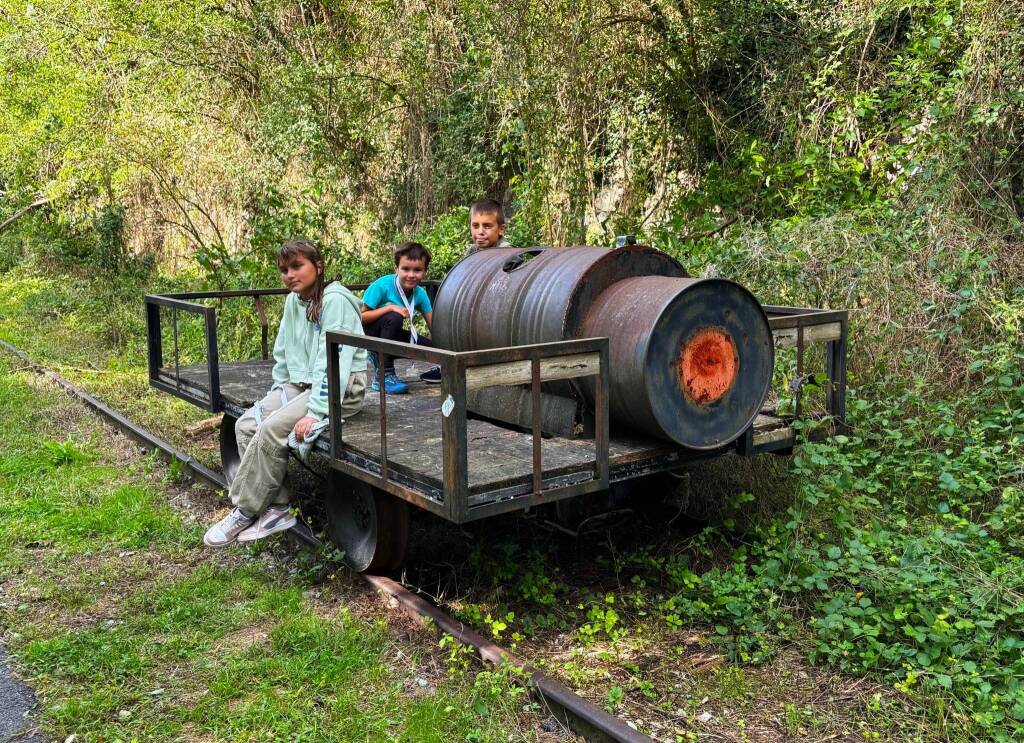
{"points": [[60, 492], [129, 631]]}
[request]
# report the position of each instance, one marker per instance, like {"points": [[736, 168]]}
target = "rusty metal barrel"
{"points": [[513, 296], [690, 360]]}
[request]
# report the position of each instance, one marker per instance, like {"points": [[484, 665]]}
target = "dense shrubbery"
{"points": [[216, 130]]}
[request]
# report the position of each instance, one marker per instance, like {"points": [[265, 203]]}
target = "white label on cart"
{"points": [[447, 406]]}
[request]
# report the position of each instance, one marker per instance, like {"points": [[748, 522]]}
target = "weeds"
{"points": [[602, 620]]}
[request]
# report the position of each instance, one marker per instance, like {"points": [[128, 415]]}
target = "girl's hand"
{"points": [[400, 310], [303, 427]]}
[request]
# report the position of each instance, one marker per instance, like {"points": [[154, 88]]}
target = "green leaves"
{"points": [[902, 552]]}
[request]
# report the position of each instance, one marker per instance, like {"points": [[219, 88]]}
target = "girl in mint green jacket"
{"points": [[297, 402]]}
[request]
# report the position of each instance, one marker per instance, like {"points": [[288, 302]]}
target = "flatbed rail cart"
{"points": [[427, 449]]}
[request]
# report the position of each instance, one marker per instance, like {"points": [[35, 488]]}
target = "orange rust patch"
{"points": [[707, 366]]}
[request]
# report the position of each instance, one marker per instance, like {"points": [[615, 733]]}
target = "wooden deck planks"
{"points": [[498, 457]]}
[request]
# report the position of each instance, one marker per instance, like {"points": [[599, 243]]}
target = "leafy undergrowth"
{"points": [[129, 631]]}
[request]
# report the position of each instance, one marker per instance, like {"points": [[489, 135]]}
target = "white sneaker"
{"points": [[271, 521], [225, 531]]}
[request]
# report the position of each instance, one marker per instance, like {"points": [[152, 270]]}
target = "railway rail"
{"points": [[571, 710]]}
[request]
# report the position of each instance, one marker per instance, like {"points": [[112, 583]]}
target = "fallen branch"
{"points": [[195, 430], [23, 211]]}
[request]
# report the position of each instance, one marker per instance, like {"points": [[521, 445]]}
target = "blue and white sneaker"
{"points": [[392, 385]]}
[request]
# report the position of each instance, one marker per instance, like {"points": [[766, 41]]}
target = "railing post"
{"points": [[261, 312], [383, 418], [453, 439], [212, 360], [177, 365], [799, 368], [538, 465], [835, 361], [333, 404], [601, 425], [153, 339]]}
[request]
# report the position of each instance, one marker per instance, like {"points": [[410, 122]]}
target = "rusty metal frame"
{"points": [[185, 302], [452, 500], [455, 500], [176, 303], [835, 369], [802, 318], [789, 317]]}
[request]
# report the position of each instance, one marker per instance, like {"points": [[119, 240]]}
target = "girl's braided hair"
{"points": [[300, 246]]}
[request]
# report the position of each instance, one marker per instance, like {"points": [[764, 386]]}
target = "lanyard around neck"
{"points": [[409, 306]]}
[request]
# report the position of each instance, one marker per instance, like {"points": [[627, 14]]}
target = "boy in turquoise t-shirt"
{"points": [[389, 301]]}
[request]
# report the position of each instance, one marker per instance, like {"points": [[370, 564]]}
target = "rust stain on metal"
{"points": [[708, 365]]}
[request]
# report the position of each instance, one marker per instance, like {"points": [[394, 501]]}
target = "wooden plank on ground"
{"points": [[773, 435]]}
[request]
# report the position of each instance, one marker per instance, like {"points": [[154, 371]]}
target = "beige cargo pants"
{"points": [[263, 445]]}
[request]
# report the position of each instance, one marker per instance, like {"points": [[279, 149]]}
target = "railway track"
{"points": [[571, 710]]}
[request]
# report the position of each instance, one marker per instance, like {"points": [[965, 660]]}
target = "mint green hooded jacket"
{"points": [[300, 350]]}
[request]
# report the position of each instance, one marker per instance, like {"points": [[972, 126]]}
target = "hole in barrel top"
{"points": [[708, 365], [517, 261]]}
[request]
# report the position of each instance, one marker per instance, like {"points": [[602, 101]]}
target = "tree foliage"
{"points": [[589, 118]]}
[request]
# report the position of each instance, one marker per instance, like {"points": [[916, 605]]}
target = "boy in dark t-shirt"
{"points": [[392, 299], [486, 226]]}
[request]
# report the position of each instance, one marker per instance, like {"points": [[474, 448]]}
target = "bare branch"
{"points": [[709, 233], [41, 201]]}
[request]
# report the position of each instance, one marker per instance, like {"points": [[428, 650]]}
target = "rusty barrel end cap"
{"points": [[708, 365]]}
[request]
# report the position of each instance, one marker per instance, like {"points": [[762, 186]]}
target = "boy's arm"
{"points": [[338, 314], [429, 316], [375, 305], [371, 315]]}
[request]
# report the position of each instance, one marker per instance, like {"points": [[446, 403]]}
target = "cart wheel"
{"points": [[229, 459], [369, 525]]}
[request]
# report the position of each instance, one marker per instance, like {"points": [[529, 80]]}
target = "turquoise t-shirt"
{"points": [[384, 291]]}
